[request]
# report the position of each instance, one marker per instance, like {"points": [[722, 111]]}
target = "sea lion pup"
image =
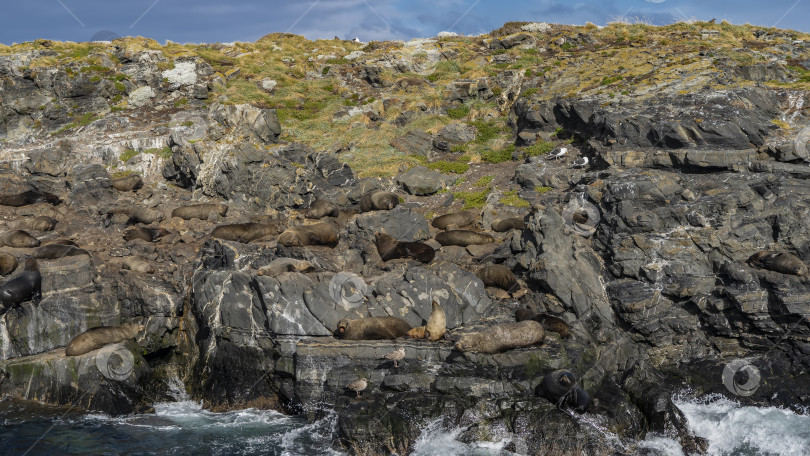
{"points": [[497, 275], [322, 208], [95, 338], [127, 184], [26, 286], [54, 251], [463, 238], [416, 333], [139, 214], [549, 322], [316, 234], [200, 211], [282, 265], [137, 263], [18, 239], [373, 328], [40, 223], [391, 249], [502, 337], [783, 262], [436, 325], [461, 218], [500, 226], [144, 233], [243, 232], [29, 197], [560, 388], [8, 263], [378, 200]]}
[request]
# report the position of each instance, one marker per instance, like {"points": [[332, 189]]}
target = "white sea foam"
{"points": [[438, 439]]}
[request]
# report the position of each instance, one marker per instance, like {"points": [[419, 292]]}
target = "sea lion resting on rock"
{"points": [[322, 208], [29, 197], [27, 286], [144, 233], [391, 249], [502, 337], [243, 232], [128, 183], [560, 388], [282, 265], [139, 214], [317, 234], [373, 328], [54, 251], [461, 218], [549, 322], [783, 262], [200, 211], [416, 333], [500, 226], [8, 263], [378, 200], [60, 242], [497, 275], [436, 325], [137, 263], [40, 223], [18, 239], [463, 238], [95, 338]]}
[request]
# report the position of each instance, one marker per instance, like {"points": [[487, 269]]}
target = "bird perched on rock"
{"points": [[358, 385], [356, 39], [580, 162], [557, 153], [395, 356]]}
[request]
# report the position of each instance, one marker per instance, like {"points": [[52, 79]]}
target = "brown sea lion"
{"points": [[127, 184], [200, 211], [282, 265], [40, 223], [322, 208], [502, 337], [549, 322], [8, 263], [783, 262], [29, 197], [60, 242], [463, 238], [436, 325], [316, 234], [500, 226], [373, 328], [391, 249], [18, 239], [138, 214], [560, 388], [98, 337], [378, 200], [26, 286], [137, 263], [461, 218], [243, 232], [497, 275], [416, 333], [144, 233], [54, 251]]}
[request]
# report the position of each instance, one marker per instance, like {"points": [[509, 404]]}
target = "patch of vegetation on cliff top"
{"points": [[473, 199]]}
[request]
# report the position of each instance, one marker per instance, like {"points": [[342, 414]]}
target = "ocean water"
{"points": [[184, 428]]}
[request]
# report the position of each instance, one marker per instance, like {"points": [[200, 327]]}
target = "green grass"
{"points": [[511, 199], [486, 131], [539, 148], [542, 190], [484, 181], [498, 156], [529, 92], [455, 167], [165, 152], [459, 112], [610, 80], [127, 154], [181, 102], [473, 199]]}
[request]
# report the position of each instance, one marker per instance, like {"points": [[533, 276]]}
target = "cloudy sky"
{"points": [[247, 20]]}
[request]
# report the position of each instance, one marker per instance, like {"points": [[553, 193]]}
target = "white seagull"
{"points": [[356, 39], [557, 153], [580, 162]]}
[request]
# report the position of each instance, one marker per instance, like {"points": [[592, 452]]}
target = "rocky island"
{"points": [[643, 189]]}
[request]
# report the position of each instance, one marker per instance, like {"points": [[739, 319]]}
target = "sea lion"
{"points": [[18, 239], [373, 328], [54, 251], [29, 197], [783, 262], [200, 211], [560, 388], [549, 322], [390, 249], [322, 208], [395, 356], [282, 265], [316, 234], [26, 286], [60, 242], [416, 333], [137, 263], [243, 232], [8, 263], [40, 223], [144, 233], [502, 337], [95, 338], [138, 214], [437, 323], [497, 275], [127, 184], [500, 226], [463, 238], [378, 200], [461, 218]]}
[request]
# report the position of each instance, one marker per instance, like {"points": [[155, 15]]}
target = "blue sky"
{"points": [[247, 20]]}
